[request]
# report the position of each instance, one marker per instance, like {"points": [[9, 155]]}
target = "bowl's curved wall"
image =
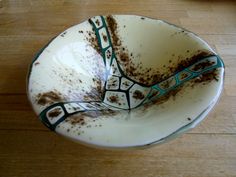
{"points": [[73, 68]]}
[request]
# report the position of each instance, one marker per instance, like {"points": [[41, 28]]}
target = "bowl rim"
{"points": [[167, 138]]}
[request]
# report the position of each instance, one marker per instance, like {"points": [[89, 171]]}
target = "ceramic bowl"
{"points": [[124, 81]]}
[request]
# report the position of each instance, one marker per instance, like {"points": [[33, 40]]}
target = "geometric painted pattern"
{"points": [[120, 91]]}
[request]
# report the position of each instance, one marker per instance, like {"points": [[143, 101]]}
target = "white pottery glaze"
{"points": [[71, 69]]}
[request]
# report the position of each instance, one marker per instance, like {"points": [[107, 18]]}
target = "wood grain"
{"points": [[27, 148]]}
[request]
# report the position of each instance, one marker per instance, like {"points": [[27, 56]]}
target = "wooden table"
{"points": [[28, 149]]}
